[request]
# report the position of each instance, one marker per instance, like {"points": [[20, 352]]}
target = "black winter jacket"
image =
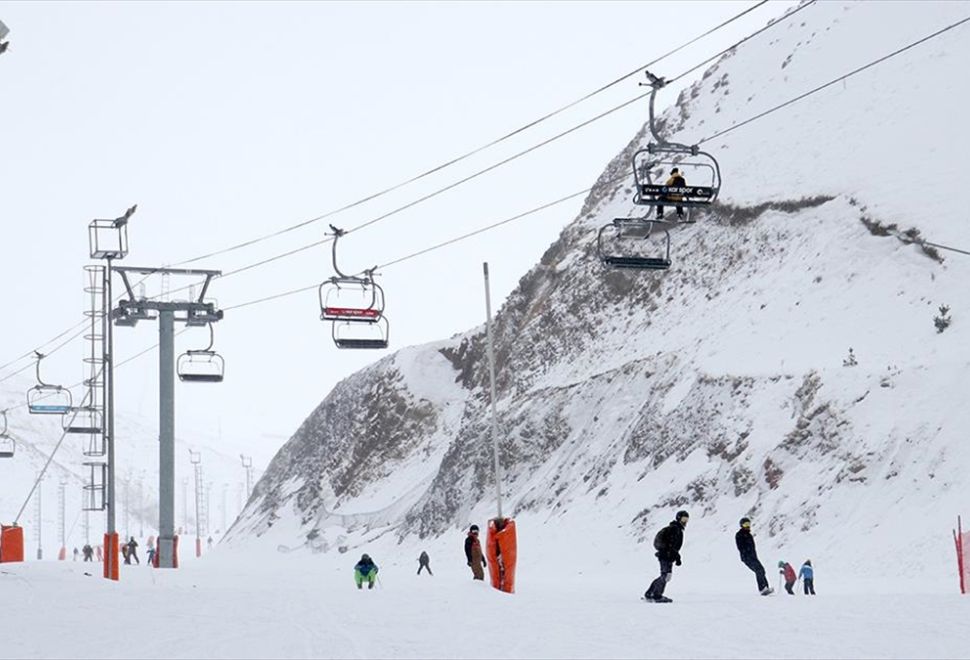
{"points": [[671, 540], [745, 543]]}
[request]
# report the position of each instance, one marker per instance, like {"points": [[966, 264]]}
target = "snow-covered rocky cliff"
{"points": [[719, 385]]}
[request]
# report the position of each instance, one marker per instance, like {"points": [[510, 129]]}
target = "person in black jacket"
{"points": [[749, 555], [668, 543], [474, 554]]}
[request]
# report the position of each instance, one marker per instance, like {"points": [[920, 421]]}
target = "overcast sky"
{"points": [[226, 121]]}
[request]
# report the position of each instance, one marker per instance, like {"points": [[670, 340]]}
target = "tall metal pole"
{"points": [[39, 514], [491, 377], [111, 556], [166, 439]]}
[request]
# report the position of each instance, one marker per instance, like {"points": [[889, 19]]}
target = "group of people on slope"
{"points": [[669, 541], [365, 570]]}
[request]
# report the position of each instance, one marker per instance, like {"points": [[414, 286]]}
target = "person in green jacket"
{"points": [[365, 571]]}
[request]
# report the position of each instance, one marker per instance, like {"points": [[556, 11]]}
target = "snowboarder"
{"points": [[151, 555], [474, 554], [88, 552], [807, 575], [132, 551], [676, 180], [785, 570], [76, 553], [668, 543], [365, 569], [749, 555], [424, 562]]}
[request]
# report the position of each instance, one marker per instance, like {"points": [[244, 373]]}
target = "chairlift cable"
{"points": [[447, 164], [477, 150], [835, 80]]}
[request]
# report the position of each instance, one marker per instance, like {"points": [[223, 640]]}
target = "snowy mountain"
{"points": [[717, 386]]}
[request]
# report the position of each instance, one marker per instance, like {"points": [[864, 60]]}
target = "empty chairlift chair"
{"points": [[633, 244], [349, 334], [202, 366], [7, 445], [84, 420], [44, 399], [352, 299]]}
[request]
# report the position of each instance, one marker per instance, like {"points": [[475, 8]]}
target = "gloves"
{"points": [[677, 561], [469, 564]]}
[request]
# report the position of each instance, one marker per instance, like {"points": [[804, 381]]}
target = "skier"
{"points": [[807, 574], [668, 542], [132, 551], [210, 543], [749, 555], [474, 554], [76, 553], [88, 552], [100, 553], [124, 553], [785, 569], [424, 562], [676, 180], [151, 555], [365, 569]]}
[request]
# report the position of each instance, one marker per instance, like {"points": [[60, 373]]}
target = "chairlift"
{"points": [[350, 334], [85, 420], [44, 399], [631, 243], [354, 299], [7, 444], [202, 366], [652, 166], [354, 305]]}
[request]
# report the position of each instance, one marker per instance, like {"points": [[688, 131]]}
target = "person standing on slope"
{"points": [[474, 554], [365, 570], [785, 569], [424, 562], [807, 575], [749, 555], [133, 551], [668, 543]]}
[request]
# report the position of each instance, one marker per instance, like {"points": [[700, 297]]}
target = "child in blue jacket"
{"points": [[807, 575]]}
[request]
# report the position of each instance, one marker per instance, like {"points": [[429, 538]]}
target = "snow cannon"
{"points": [[500, 551]]}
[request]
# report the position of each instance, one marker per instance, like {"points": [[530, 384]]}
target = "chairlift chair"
{"points": [[7, 444], [630, 243], [44, 399], [202, 366], [699, 168], [350, 334], [85, 420], [353, 299]]}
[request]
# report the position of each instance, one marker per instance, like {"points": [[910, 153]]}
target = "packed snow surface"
{"points": [[259, 607]]}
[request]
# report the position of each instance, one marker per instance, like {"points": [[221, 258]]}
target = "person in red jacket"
{"points": [[785, 569]]}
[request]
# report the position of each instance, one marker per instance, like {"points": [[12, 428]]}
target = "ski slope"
{"points": [[301, 607]]}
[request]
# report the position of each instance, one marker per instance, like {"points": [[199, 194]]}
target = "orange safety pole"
{"points": [[111, 568], [11, 544]]}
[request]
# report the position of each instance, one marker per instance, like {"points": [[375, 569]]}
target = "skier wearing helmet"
{"points": [[667, 543], [749, 555]]}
